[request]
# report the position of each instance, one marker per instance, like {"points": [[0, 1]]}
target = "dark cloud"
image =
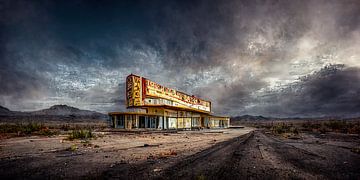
{"points": [[244, 56], [332, 91], [204, 35]]}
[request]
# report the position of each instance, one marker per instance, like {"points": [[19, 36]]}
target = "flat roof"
{"points": [[130, 113]]}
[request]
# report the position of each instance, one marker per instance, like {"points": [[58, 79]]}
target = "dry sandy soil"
{"points": [[208, 154], [52, 157]]}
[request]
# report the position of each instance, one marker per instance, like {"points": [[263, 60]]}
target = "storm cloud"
{"points": [[272, 58], [332, 91]]}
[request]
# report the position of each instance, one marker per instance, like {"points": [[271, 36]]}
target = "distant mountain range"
{"points": [[249, 118], [4, 110], [54, 111], [65, 112]]}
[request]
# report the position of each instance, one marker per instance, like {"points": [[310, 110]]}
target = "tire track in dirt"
{"points": [[251, 156], [180, 166], [204, 163], [255, 156], [320, 161]]}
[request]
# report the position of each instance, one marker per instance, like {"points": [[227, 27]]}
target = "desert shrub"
{"points": [[65, 127], [47, 132], [21, 129], [309, 126], [323, 130], [294, 130], [81, 134], [339, 126], [264, 125], [32, 127], [280, 128], [333, 126], [354, 129], [284, 128], [9, 128], [73, 147]]}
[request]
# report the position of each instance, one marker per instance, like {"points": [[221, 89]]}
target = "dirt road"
{"points": [[36, 157], [213, 154], [256, 156]]}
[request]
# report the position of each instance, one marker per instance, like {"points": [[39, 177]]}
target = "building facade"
{"points": [[157, 107]]}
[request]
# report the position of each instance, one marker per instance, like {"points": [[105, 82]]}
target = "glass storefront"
{"points": [[120, 121], [172, 123], [182, 120]]}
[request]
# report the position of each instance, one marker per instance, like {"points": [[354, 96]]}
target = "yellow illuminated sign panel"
{"points": [[133, 91], [139, 88]]}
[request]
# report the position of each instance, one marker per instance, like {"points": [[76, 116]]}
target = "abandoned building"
{"points": [[153, 106]]}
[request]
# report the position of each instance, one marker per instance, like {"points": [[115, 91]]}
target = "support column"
{"points": [[146, 122], [137, 121], [115, 121], [125, 121], [177, 117]]}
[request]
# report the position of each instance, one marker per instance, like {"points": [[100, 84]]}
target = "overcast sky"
{"points": [[271, 58]]}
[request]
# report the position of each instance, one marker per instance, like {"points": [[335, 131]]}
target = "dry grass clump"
{"points": [[79, 126], [322, 127], [77, 131], [81, 134], [32, 128], [73, 148], [284, 128], [338, 126]]}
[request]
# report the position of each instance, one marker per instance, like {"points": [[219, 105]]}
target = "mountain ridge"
{"points": [[4, 110], [263, 118], [55, 110], [64, 110], [249, 118]]}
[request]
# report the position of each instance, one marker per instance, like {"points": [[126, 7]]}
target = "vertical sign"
{"points": [[129, 90], [133, 91], [137, 91]]}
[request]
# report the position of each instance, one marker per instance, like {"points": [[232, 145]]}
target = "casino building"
{"points": [[153, 106]]}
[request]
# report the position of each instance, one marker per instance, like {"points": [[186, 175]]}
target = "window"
{"points": [[195, 122], [120, 121], [172, 123]]}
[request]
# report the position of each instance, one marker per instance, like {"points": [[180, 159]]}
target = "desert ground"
{"points": [[252, 152]]}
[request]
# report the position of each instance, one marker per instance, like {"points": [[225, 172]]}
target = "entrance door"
{"points": [[153, 121], [141, 121], [120, 121]]}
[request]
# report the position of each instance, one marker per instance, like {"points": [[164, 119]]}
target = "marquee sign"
{"points": [[140, 91]]}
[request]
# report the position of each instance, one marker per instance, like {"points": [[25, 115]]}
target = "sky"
{"points": [[275, 58]]}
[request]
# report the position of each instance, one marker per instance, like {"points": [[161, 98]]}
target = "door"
{"points": [[141, 121]]}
